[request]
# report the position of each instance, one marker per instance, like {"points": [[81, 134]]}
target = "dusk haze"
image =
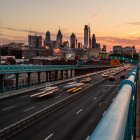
{"points": [[115, 22]]}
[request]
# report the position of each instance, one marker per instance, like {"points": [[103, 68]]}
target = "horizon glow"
{"points": [[113, 22]]}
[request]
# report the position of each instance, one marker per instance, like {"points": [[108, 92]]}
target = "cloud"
{"points": [[134, 23], [10, 36], [121, 41], [21, 30]]}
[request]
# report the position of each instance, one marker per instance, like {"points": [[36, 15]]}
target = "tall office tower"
{"points": [[59, 38], [79, 45], [72, 41], [47, 38], [104, 49], [35, 41], [93, 41], [87, 38]]}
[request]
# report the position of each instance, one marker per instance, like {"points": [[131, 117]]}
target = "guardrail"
{"points": [[9, 69], [118, 122]]}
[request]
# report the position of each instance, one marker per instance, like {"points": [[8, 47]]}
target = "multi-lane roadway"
{"points": [[74, 121]]}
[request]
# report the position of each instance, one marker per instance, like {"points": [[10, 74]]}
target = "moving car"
{"points": [[85, 80], [72, 85], [49, 91]]}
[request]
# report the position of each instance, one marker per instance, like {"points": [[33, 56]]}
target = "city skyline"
{"points": [[113, 22]]}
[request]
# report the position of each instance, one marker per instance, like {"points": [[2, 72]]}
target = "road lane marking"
{"points": [[104, 90], [8, 108], [94, 98], [49, 136], [104, 113], [79, 111], [29, 109]]}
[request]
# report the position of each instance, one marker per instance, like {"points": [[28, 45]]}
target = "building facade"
{"points": [[87, 37], [35, 41], [72, 41]]}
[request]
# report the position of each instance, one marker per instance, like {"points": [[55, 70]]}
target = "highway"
{"points": [[74, 121], [21, 106]]}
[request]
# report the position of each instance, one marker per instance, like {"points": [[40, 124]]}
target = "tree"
{"points": [[11, 60]]}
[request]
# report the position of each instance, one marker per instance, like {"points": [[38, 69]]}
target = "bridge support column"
{"points": [[71, 73], [29, 79], [66, 73], [38, 73], [46, 76], [2, 83], [56, 75], [17, 80], [49, 80], [62, 74]]}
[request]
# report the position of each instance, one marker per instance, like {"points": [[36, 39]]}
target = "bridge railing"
{"points": [[119, 120]]}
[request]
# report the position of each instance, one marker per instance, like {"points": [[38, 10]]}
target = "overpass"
{"points": [[55, 70]]}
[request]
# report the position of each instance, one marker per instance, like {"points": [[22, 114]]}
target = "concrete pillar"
{"points": [[56, 75], [49, 76], [29, 79], [71, 72], [2, 82], [17, 80], [46, 76], [38, 73], [61, 73], [66, 73]]}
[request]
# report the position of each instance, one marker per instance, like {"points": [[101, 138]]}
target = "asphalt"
{"points": [[76, 120], [18, 107]]}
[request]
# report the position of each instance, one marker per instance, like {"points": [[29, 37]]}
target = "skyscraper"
{"points": [[93, 41], [72, 41], [87, 38], [35, 41], [59, 38], [48, 38]]}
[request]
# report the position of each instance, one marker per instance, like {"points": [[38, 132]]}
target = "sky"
{"points": [[114, 22]]}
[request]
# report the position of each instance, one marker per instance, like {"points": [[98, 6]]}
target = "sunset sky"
{"points": [[115, 22]]}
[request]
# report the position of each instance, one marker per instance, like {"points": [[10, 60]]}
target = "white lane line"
{"points": [[104, 113], [79, 111], [8, 108], [94, 98], [104, 90], [24, 96], [49, 136], [28, 109]]}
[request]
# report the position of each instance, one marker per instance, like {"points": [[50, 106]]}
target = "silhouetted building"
{"points": [[79, 45], [93, 41], [59, 39], [104, 49], [87, 38], [129, 50], [117, 49], [47, 39], [35, 41], [72, 41], [66, 44]]}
